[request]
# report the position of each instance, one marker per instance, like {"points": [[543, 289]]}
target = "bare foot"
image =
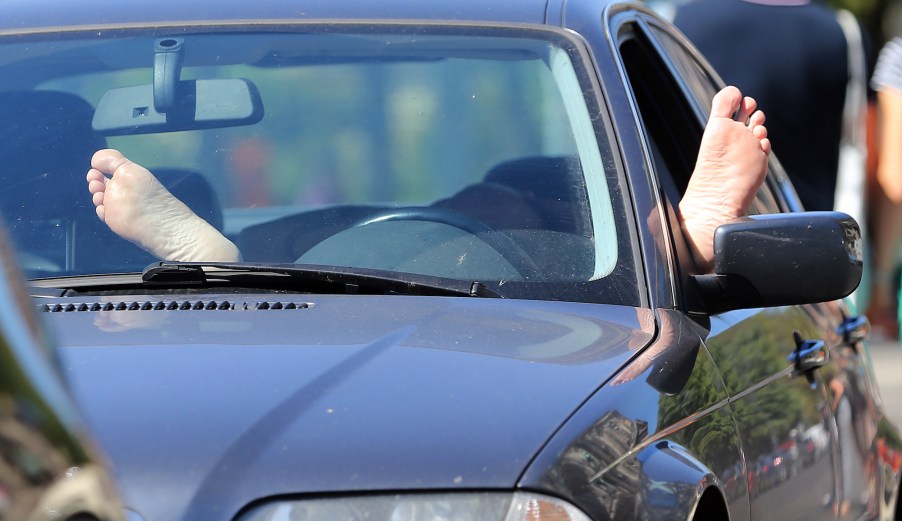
{"points": [[731, 166], [137, 207]]}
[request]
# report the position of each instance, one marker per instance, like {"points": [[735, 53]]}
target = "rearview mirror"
{"points": [[198, 104], [783, 259]]}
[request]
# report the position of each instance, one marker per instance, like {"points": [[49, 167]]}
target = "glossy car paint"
{"points": [[24, 15], [233, 401], [660, 417]]}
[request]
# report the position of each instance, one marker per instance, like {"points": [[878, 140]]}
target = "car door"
{"points": [[791, 442], [850, 390]]}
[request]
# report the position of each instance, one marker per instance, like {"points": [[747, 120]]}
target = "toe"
{"points": [[108, 160], [95, 175], [726, 102], [746, 109], [757, 118], [96, 187]]}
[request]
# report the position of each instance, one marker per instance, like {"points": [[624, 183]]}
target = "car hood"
{"points": [[204, 410]]}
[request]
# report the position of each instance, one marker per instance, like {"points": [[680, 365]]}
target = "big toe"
{"points": [[108, 160], [726, 102]]}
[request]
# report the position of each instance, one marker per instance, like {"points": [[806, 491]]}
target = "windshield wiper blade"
{"points": [[353, 280], [174, 273]]}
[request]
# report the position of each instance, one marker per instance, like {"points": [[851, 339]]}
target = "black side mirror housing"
{"points": [[783, 259]]}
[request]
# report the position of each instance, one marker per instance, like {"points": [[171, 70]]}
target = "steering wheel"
{"points": [[500, 242]]}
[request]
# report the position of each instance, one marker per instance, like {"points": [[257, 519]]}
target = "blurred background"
{"points": [[881, 18]]}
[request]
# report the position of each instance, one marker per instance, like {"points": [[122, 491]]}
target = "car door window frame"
{"points": [[668, 163]]}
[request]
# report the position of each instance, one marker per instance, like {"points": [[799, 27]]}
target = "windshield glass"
{"points": [[471, 154]]}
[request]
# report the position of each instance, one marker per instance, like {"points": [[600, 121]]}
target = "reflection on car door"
{"points": [[786, 425], [795, 431]]}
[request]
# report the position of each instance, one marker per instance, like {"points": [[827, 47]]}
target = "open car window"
{"points": [[460, 153], [703, 86]]}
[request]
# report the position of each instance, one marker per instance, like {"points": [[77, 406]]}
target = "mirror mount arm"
{"points": [[167, 68], [726, 292]]}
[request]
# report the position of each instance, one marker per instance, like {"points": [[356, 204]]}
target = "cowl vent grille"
{"points": [[174, 305]]}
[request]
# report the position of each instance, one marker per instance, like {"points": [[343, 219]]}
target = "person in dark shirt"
{"points": [[792, 57]]}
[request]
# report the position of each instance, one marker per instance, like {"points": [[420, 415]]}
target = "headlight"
{"points": [[520, 506]]}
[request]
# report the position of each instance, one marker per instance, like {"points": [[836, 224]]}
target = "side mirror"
{"points": [[783, 259]]}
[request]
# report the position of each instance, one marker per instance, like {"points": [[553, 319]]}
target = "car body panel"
{"points": [[752, 351], [19, 15], [323, 414], [657, 435]]}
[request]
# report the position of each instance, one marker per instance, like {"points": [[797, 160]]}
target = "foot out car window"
{"points": [[674, 98], [461, 153], [667, 113], [702, 85]]}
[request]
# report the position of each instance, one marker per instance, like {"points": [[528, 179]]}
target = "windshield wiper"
{"points": [[314, 278]]}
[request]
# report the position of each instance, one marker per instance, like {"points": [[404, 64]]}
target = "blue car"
{"points": [[458, 286]]}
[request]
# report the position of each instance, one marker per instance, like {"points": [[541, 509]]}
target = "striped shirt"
{"points": [[888, 72]]}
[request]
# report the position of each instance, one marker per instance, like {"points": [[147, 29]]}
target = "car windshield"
{"points": [[465, 153]]}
